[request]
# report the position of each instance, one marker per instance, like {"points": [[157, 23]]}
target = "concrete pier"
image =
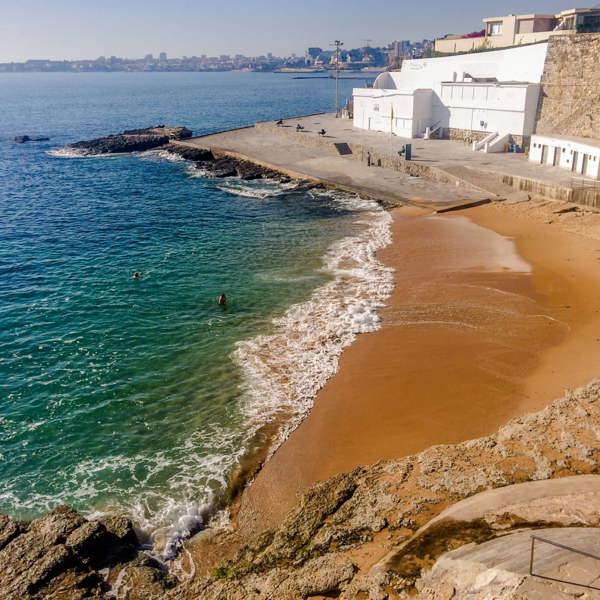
{"points": [[442, 173]]}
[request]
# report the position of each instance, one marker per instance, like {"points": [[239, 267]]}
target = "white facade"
{"points": [[579, 155], [489, 92], [405, 114]]}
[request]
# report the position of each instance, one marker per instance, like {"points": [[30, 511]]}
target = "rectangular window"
{"points": [[495, 28]]}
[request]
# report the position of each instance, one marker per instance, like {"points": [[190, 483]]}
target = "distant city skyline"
{"points": [[73, 30]]}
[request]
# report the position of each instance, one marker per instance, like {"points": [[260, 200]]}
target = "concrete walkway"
{"points": [[322, 162], [500, 568], [442, 173], [439, 153]]}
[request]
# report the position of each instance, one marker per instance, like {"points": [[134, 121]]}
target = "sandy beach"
{"points": [[494, 314]]}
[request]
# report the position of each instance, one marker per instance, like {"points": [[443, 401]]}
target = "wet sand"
{"points": [[478, 330]]}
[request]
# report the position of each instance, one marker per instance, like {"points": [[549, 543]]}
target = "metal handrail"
{"points": [[538, 538]]}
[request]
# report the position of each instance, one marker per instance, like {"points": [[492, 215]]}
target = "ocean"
{"points": [[142, 396]]}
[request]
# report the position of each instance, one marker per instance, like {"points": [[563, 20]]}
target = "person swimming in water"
{"points": [[136, 275], [222, 300]]}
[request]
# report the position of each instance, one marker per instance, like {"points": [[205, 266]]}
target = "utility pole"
{"points": [[337, 45]]}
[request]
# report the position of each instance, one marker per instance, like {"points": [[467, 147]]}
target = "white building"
{"points": [[579, 155], [490, 97]]}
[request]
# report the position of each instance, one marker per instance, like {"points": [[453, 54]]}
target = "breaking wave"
{"points": [[285, 370], [258, 188]]}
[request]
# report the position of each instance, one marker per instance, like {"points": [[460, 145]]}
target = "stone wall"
{"points": [[469, 136], [569, 101]]}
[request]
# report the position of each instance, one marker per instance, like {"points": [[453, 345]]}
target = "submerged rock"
{"points": [[133, 140], [22, 139]]}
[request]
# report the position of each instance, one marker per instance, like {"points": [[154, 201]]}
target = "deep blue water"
{"points": [[127, 395]]}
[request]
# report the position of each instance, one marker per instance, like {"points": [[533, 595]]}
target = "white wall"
{"points": [[514, 64], [389, 111], [435, 92], [502, 108], [569, 154]]}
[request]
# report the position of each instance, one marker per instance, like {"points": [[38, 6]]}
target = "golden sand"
{"points": [[480, 328]]}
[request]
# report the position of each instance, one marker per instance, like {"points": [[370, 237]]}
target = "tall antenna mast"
{"points": [[337, 45]]}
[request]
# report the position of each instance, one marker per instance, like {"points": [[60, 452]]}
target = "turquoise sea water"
{"points": [[141, 396]]}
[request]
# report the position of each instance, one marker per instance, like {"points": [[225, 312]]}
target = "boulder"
{"points": [[188, 153], [132, 140], [61, 553]]}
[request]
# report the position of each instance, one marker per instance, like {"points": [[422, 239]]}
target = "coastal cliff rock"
{"points": [[60, 555], [357, 535], [376, 510], [133, 140], [224, 165]]}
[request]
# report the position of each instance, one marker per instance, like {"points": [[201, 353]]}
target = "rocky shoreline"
{"points": [[161, 137], [224, 166], [132, 140], [315, 551]]}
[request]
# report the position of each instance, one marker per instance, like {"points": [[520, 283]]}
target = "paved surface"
{"points": [[566, 500], [503, 564], [324, 164], [440, 153]]}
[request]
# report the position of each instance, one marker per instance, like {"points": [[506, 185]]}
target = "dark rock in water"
{"points": [[228, 166], [22, 139], [188, 153], [61, 553], [133, 140], [223, 167]]}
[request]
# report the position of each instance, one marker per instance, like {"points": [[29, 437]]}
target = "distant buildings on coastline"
{"points": [[314, 59]]}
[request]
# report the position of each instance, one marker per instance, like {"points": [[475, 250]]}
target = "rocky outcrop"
{"points": [[61, 555], [377, 510], [224, 165], [356, 535], [133, 140], [22, 139]]}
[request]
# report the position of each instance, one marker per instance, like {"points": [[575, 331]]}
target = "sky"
{"points": [[77, 29]]}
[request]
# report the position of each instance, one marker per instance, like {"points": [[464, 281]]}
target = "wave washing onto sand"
{"points": [[183, 490], [285, 370]]}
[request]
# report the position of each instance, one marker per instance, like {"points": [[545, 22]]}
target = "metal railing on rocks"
{"points": [[537, 538]]}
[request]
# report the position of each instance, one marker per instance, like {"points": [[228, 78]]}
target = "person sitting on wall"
{"points": [[299, 127], [322, 133], [280, 123]]}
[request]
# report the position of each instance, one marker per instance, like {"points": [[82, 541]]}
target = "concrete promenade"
{"points": [[321, 162], [442, 172]]}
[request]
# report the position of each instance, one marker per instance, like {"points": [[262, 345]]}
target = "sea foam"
{"points": [[285, 370]]}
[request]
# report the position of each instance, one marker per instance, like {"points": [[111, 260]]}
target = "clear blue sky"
{"points": [[70, 29]]}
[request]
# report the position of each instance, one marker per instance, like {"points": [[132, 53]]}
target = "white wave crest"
{"points": [[66, 152], [158, 155], [285, 370], [258, 188]]}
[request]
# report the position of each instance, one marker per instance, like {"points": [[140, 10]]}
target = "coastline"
{"points": [[493, 309], [339, 435]]}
